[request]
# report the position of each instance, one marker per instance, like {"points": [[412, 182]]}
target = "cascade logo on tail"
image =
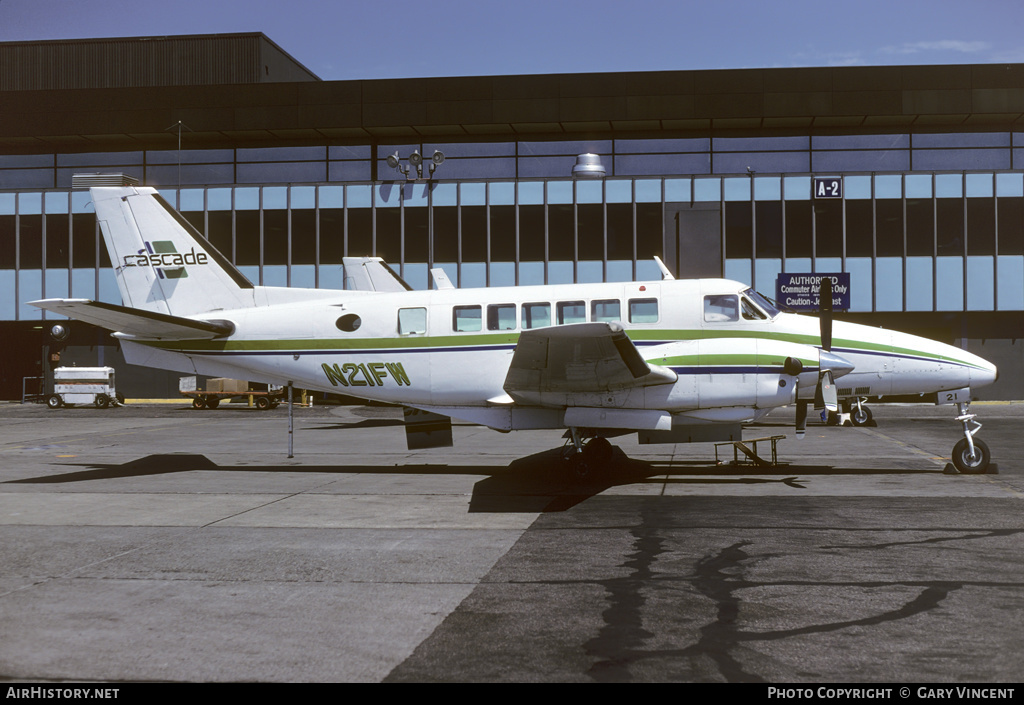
{"points": [[163, 256]]}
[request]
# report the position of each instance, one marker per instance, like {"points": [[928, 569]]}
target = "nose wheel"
{"points": [[971, 455]]}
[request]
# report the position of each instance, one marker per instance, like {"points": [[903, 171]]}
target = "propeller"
{"points": [[825, 393]]}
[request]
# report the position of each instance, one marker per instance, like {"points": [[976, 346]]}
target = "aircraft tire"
{"points": [[102, 401], [54, 401], [860, 416], [580, 466], [971, 465], [597, 452]]}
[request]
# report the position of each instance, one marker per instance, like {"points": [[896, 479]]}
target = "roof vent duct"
{"points": [[588, 166], [90, 180]]}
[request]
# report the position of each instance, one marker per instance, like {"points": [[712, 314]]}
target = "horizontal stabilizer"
{"points": [[372, 274], [136, 323]]}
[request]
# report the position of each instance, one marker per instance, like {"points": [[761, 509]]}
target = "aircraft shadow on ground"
{"points": [[541, 482]]}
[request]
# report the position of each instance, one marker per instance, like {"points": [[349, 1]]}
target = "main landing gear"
{"points": [[584, 458], [970, 455], [853, 410]]}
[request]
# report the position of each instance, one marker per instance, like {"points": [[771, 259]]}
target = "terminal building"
{"points": [[910, 179]]}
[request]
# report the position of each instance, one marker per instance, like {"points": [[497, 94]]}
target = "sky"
{"points": [[367, 39]]}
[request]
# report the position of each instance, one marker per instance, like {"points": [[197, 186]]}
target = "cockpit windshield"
{"points": [[762, 302]]}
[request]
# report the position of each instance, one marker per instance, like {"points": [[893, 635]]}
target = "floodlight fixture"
{"points": [[588, 166]]}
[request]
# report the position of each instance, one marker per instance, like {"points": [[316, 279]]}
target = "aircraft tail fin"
{"points": [[163, 264]]}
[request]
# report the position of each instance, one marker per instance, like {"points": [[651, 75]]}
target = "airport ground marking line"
{"points": [[913, 449]]}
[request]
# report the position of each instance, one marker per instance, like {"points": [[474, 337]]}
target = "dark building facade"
{"points": [[714, 171]]}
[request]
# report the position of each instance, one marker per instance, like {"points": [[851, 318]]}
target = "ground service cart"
{"points": [[221, 388], [84, 385]]}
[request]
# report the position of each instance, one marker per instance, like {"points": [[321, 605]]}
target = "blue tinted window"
{"points": [[573, 147], [189, 156], [100, 158], [759, 144], [361, 151], [860, 142], [892, 160], [740, 162], [471, 149], [797, 188], [963, 139], [648, 191], [654, 164], [282, 154], [918, 185], [695, 144], [707, 189], [934, 159]]}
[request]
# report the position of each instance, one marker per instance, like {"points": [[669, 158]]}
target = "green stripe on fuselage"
{"points": [[472, 341]]}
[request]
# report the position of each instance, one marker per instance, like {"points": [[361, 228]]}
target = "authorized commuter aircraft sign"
{"points": [[671, 360], [802, 291]]}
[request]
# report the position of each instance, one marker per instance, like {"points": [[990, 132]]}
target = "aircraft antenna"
{"points": [[179, 126]]}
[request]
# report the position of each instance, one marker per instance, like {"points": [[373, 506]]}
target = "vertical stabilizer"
{"points": [[162, 263]]}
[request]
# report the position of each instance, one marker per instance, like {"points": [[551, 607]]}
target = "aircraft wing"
{"points": [[134, 322], [583, 358]]}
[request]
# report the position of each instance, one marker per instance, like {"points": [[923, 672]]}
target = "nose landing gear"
{"points": [[970, 455]]}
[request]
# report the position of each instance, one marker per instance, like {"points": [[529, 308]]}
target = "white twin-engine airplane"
{"points": [[674, 360]]}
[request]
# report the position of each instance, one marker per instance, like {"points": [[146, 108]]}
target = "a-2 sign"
{"points": [[828, 187]]}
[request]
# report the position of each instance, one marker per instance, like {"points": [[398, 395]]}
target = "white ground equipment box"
{"points": [[84, 385]]}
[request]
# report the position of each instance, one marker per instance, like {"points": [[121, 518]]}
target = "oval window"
{"points": [[348, 323]]}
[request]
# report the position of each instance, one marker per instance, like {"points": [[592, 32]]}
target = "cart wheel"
{"points": [[120, 398], [198, 403], [262, 403], [102, 401], [54, 401], [212, 402]]}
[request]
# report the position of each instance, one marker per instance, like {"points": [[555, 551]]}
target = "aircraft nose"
{"points": [[986, 373]]}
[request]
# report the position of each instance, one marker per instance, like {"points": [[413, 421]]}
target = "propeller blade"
{"points": [[825, 313], [825, 394], [801, 419]]}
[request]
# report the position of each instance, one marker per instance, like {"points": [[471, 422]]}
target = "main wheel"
{"points": [[597, 452], [54, 401], [861, 416], [580, 466], [102, 401], [968, 464]]}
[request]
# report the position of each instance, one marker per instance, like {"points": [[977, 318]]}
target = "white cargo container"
{"points": [[84, 385]]}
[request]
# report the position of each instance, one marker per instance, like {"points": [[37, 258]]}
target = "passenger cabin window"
{"points": [[571, 312], [412, 321], [501, 317], [721, 308], [466, 318], [643, 310], [536, 315], [605, 310]]}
